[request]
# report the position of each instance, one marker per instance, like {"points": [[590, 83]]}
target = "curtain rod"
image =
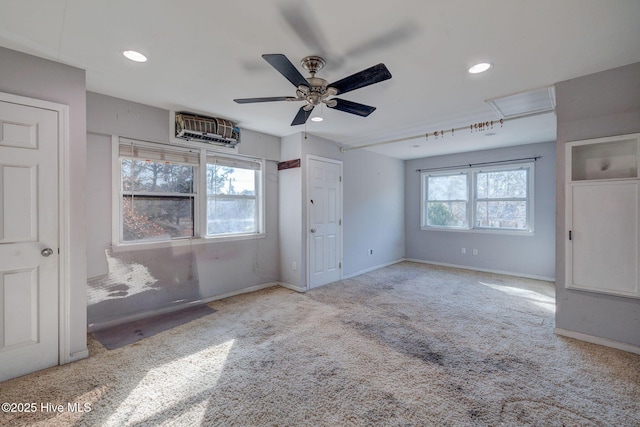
{"points": [[458, 129], [470, 165]]}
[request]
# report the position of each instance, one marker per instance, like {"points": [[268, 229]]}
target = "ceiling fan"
{"points": [[315, 90]]}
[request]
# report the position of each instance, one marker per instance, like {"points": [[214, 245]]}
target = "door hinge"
{"points": [[569, 234], [339, 265], [340, 178], [339, 222]]}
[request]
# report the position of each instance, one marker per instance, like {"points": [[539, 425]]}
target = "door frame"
{"points": [[308, 214], [64, 238]]}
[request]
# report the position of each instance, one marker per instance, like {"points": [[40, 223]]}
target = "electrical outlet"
{"points": [[294, 265], [463, 251], [475, 252]]}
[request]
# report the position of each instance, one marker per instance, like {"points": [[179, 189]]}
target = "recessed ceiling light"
{"points": [[134, 56], [480, 68], [316, 119]]}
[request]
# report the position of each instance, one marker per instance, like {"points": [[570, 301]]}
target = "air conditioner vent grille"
{"points": [[207, 129]]}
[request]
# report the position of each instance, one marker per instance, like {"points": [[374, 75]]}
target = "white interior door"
{"points": [[28, 239], [325, 221], [604, 237]]}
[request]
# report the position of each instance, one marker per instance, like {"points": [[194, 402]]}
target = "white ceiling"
{"points": [[204, 53]]}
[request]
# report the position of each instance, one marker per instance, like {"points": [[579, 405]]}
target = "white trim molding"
{"points": [[367, 270], [64, 207], [300, 289], [484, 270], [598, 340]]}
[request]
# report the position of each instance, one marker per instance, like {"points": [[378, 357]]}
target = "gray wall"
{"points": [[26, 75], [373, 209], [598, 105], [291, 223], [126, 283], [529, 256]]}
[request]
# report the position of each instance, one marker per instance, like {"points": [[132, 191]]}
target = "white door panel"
{"points": [[28, 224], [325, 210], [604, 238]]}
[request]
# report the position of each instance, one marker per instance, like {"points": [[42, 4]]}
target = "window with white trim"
{"points": [[168, 193], [447, 200], [232, 195], [498, 198], [158, 192]]}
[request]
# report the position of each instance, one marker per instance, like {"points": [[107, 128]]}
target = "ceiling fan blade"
{"points": [[304, 23], [352, 107], [367, 77], [302, 116], [286, 68], [267, 99]]}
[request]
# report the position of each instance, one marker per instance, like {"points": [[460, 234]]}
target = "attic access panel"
{"points": [[524, 103]]}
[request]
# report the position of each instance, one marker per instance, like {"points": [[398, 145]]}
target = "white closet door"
{"points": [[604, 237]]}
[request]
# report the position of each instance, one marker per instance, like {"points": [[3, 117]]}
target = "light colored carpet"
{"points": [[406, 345]]}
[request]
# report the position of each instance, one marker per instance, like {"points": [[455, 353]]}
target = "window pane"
{"points": [[228, 180], [447, 214], [231, 215], [231, 200], [502, 184], [450, 187], [145, 217], [505, 215], [141, 175]]}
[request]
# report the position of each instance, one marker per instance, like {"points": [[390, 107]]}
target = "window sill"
{"points": [[523, 233], [150, 244]]}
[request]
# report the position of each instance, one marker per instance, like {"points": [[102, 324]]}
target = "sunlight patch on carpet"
{"points": [[190, 375], [535, 298]]}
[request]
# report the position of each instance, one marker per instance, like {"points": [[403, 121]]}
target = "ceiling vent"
{"points": [[212, 130], [522, 104]]}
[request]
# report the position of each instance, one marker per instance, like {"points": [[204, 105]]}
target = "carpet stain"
{"points": [[537, 412], [400, 338]]}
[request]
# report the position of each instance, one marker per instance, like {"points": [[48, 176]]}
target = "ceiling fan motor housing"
{"points": [[312, 64]]}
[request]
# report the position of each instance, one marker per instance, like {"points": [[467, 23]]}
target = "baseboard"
{"points": [[138, 316], [78, 355], [598, 340], [484, 270], [292, 287], [377, 267]]}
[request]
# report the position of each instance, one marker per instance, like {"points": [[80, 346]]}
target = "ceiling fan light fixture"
{"points": [[479, 68], [316, 119], [134, 56], [331, 91]]}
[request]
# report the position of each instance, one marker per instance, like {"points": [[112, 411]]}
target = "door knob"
{"points": [[313, 230], [46, 252]]}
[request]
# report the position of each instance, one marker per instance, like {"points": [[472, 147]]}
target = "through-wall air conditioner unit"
{"points": [[212, 130]]}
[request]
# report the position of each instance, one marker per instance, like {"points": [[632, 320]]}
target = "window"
{"points": [[502, 199], [447, 200], [169, 193], [232, 196], [157, 193]]}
